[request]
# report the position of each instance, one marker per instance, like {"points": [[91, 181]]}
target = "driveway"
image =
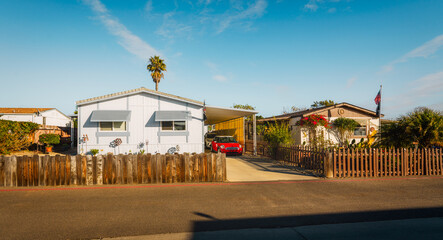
{"points": [[257, 169]]}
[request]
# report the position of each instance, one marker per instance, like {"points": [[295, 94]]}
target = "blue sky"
{"points": [[271, 54]]}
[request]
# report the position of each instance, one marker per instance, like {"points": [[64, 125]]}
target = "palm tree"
{"points": [[156, 66], [425, 126]]}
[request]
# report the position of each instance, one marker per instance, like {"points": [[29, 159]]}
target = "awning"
{"points": [[219, 114], [110, 115], [172, 116]]}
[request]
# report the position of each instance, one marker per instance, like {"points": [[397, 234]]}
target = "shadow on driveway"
{"points": [[249, 168]]}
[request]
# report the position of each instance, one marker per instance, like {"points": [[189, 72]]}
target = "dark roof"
{"points": [[314, 110]]}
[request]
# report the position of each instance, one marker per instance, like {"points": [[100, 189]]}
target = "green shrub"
{"points": [[94, 151], [49, 139], [277, 134], [14, 136]]}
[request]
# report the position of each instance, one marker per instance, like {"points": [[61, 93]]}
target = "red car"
{"points": [[226, 144]]}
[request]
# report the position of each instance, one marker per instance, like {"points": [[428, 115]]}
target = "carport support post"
{"points": [[254, 135]]}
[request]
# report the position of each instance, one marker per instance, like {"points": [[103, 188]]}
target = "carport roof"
{"points": [[220, 114]]}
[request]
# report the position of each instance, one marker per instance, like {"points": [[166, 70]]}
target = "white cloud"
{"points": [[148, 7], [351, 81], [423, 89], [312, 5], [131, 42], [212, 66], [423, 51], [332, 10], [428, 85], [171, 29], [220, 78], [255, 10]]}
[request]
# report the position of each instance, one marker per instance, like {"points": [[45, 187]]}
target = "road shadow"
{"points": [[214, 224]]}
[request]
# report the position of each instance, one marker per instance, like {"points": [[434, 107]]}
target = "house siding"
{"points": [[301, 136], [142, 127]]}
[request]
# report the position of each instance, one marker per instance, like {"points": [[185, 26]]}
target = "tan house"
{"points": [[368, 120]]}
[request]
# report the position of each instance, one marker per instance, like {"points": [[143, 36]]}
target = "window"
{"points": [[173, 126], [360, 131], [112, 126]]}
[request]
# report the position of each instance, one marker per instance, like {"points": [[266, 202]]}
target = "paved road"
{"points": [[254, 169], [155, 209]]}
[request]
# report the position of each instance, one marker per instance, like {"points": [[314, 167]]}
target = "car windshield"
{"points": [[226, 140]]}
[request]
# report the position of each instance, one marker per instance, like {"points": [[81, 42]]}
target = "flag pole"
{"points": [[379, 113]]}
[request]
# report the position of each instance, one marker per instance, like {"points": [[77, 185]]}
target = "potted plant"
{"points": [[49, 140]]}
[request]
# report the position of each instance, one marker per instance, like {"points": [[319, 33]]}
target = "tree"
{"points": [[344, 128], [423, 126], [393, 135], [293, 109], [247, 107], [156, 66], [323, 103]]}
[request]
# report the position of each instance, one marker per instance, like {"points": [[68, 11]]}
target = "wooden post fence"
{"points": [[61, 170]]}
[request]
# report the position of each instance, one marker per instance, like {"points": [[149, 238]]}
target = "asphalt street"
{"points": [[114, 211]]}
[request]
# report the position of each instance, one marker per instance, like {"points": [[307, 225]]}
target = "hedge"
{"points": [[14, 136]]}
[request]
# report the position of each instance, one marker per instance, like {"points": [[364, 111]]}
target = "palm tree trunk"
{"points": [[156, 85]]}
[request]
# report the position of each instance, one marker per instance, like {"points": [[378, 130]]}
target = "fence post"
{"points": [[328, 165]]}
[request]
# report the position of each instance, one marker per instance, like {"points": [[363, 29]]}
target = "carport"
{"points": [[216, 115]]}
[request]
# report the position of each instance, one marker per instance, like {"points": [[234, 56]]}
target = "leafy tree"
{"points": [[344, 128], [247, 107], [156, 66], [293, 109], [323, 103]]}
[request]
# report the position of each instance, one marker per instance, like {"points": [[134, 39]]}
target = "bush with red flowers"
{"points": [[314, 120]]}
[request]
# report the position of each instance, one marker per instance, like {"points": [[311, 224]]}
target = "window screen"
{"points": [[106, 126], [167, 126]]}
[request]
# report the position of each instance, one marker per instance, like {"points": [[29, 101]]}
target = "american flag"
{"points": [[377, 101], [378, 98]]}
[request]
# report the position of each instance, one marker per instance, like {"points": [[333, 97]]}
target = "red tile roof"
{"points": [[23, 110]]}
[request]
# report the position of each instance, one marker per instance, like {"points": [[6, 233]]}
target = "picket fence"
{"points": [[378, 162], [61, 170]]}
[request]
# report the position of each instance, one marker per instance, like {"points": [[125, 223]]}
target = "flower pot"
{"points": [[48, 149]]}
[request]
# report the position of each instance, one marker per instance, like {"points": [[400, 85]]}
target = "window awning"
{"points": [[172, 116], [110, 115]]}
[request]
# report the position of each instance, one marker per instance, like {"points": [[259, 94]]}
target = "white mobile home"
{"points": [[140, 120], [42, 116]]}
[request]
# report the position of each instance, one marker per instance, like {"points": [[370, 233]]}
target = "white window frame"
{"points": [[173, 126], [366, 131], [112, 125]]}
